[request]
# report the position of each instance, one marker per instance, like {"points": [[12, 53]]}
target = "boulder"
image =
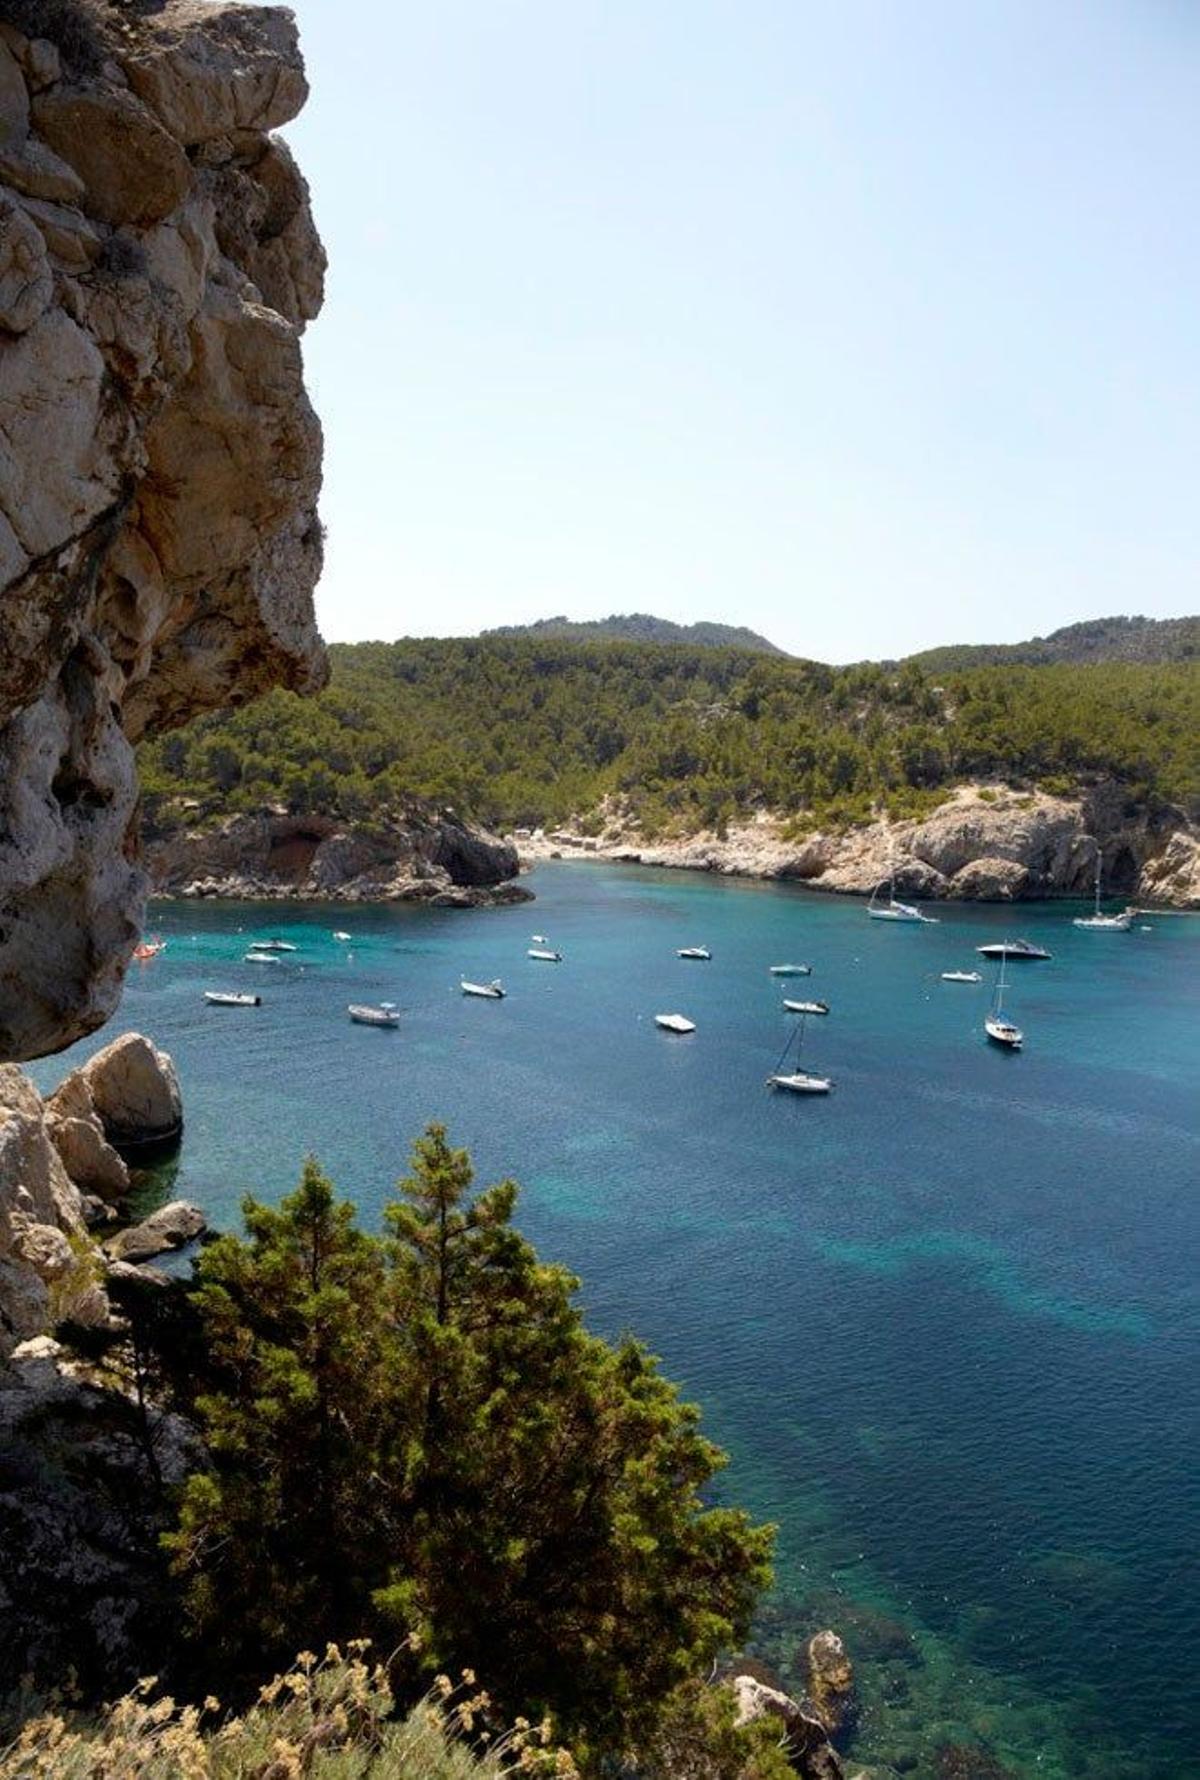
{"points": [[830, 1680], [78, 1135], [26, 281], [132, 170], [134, 1093], [808, 1748], [989, 880], [240, 71], [171, 1226], [1173, 876]]}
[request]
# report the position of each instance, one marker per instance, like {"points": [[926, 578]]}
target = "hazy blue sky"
{"points": [[872, 324]]}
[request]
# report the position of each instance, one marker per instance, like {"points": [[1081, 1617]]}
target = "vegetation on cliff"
{"points": [[512, 731], [413, 1437], [640, 627], [1094, 640]]}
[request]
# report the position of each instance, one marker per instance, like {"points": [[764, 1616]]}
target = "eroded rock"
{"points": [[830, 1680], [159, 459], [805, 1738], [134, 1092], [171, 1226]]}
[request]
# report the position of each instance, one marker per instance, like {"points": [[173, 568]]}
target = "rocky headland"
{"points": [[983, 844], [417, 857], [159, 458]]}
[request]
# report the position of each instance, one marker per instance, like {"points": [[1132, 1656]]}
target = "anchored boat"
{"points": [[807, 1007], [231, 998], [1098, 923], [674, 1023], [386, 1014], [545, 953], [693, 952], [796, 1080], [999, 1028], [493, 991], [790, 970], [1013, 948]]}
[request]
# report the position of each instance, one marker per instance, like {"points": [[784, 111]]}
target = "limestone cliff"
{"points": [[159, 459], [418, 857], [983, 844]]}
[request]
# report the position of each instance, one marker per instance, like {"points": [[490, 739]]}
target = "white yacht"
{"points": [[674, 1023], [544, 952], [493, 991], [231, 998], [791, 970], [1013, 948], [386, 1014], [892, 910], [793, 1079], [961, 976], [1098, 923], [999, 1028], [693, 952], [806, 1007]]}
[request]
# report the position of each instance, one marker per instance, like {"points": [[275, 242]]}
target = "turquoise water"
{"points": [[946, 1321]]}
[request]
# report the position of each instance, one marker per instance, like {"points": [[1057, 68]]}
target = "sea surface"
{"points": [[946, 1321]]}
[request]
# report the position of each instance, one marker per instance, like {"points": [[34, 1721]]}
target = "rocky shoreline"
{"points": [[274, 856], [984, 844]]}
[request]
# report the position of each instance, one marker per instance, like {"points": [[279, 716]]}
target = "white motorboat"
{"points": [[794, 1079], [261, 958], [493, 991], [807, 1007], [231, 998], [386, 1014], [961, 976], [999, 1028], [1098, 923], [1012, 948], [892, 910], [545, 953], [693, 952], [674, 1023], [338, 934], [790, 970], [539, 939], [273, 945]]}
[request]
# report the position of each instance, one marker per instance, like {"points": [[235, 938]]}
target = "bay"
{"points": [[945, 1321]]}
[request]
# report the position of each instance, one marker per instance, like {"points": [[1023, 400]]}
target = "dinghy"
{"points": [[693, 952], [543, 952], [261, 958], [273, 945], [149, 948], [961, 976], [339, 935], [807, 1007], [231, 998], [493, 991], [386, 1014], [674, 1023], [539, 939], [790, 970]]}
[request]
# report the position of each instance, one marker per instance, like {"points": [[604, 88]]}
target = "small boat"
{"points": [[1012, 948], [273, 945], [693, 952], [790, 970], [386, 1014], [539, 939], [1098, 923], [807, 1007], [543, 952], [149, 948], [961, 976], [796, 1080], [231, 998], [338, 934], [674, 1023], [493, 991], [891, 910], [261, 958], [999, 1028]]}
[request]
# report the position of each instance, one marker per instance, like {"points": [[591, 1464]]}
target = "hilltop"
{"points": [[641, 627], [1093, 640]]}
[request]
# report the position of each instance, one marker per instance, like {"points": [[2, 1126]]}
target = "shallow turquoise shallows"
{"points": [[945, 1320]]}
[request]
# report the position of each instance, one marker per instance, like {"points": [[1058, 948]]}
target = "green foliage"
{"points": [[1095, 640], [415, 1434], [514, 731], [640, 627]]}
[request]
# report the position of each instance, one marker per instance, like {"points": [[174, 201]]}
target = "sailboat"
{"points": [[891, 910], [999, 1028], [1098, 923], [795, 1079]]}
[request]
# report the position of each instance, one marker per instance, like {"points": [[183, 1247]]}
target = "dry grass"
{"points": [[329, 1719]]}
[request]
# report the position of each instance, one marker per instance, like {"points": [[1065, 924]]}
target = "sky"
{"points": [[872, 325]]}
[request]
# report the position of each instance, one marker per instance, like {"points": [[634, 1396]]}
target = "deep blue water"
{"points": [[946, 1321]]}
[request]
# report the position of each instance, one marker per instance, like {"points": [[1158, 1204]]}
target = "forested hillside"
{"points": [[511, 731], [1095, 640], [640, 627]]}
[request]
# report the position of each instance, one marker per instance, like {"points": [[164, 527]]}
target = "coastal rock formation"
{"points": [[806, 1741], [417, 858], [59, 1174], [830, 1680], [159, 459], [984, 843], [171, 1226]]}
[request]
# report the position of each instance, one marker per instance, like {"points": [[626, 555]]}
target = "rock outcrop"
{"points": [[159, 458], [830, 1680], [60, 1174], [417, 858], [805, 1739], [983, 844]]}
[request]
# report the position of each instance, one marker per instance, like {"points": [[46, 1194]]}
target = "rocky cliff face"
{"points": [[418, 858], [984, 844], [159, 459]]}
